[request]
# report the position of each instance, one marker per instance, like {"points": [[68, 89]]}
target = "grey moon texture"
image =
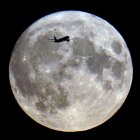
{"points": [[72, 85]]}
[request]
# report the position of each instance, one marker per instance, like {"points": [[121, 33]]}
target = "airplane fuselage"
{"points": [[66, 38]]}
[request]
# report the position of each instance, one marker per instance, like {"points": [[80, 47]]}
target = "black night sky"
{"points": [[17, 16]]}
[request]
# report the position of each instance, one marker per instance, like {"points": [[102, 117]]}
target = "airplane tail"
{"points": [[55, 38]]}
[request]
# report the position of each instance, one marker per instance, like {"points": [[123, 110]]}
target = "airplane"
{"points": [[66, 38]]}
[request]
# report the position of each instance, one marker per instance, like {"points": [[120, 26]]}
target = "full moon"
{"points": [[71, 85]]}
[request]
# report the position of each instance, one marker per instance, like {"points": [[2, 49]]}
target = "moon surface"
{"points": [[70, 86]]}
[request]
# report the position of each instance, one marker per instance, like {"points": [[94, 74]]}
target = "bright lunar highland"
{"points": [[71, 85]]}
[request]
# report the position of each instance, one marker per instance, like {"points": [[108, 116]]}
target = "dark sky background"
{"points": [[17, 16]]}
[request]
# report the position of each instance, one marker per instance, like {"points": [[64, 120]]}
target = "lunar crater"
{"points": [[98, 62], [117, 47], [82, 47], [118, 69]]}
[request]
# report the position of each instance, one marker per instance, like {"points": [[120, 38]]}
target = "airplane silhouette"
{"points": [[66, 38]]}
